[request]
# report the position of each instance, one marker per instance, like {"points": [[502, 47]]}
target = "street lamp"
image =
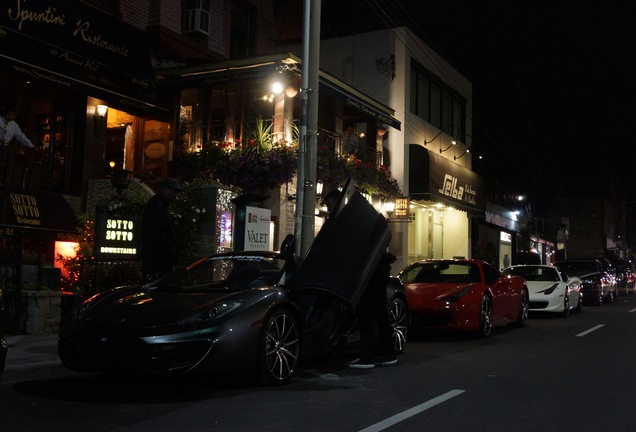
{"points": [[453, 142], [463, 153]]}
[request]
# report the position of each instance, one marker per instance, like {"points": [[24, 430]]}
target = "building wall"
{"points": [[136, 12], [456, 235], [378, 63]]}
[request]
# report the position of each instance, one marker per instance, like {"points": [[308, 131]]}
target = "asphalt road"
{"points": [[556, 374]]}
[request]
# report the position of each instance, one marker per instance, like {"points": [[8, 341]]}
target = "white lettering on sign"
{"points": [[257, 237], [450, 188], [25, 206], [118, 250], [119, 229], [48, 16]]}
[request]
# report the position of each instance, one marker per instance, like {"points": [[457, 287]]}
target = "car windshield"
{"points": [[534, 274], [225, 273], [577, 267], [443, 272]]}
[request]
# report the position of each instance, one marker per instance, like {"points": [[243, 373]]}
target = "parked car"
{"points": [[596, 284], [631, 277], [624, 273], [550, 289], [609, 268], [4, 348], [463, 294], [242, 311]]}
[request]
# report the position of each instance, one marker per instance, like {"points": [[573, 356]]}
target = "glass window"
{"points": [[436, 104], [491, 274], [435, 117], [240, 31]]}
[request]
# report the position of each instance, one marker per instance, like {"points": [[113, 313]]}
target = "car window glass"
{"points": [[410, 275], [230, 273], [491, 274], [442, 272]]}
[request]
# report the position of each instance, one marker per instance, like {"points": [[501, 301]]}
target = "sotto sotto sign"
{"points": [[257, 221], [117, 236]]}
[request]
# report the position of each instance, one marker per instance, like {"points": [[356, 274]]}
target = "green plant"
{"points": [[260, 163], [334, 169]]}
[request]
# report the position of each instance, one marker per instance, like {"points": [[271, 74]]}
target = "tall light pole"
{"points": [[306, 186]]}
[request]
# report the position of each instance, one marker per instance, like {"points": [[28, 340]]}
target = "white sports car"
{"points": [[551, 290]]}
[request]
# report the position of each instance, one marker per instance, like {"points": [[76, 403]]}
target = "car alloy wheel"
{"points": [[399, 319], [524, 309], [485, 316], [566, 304], [280, 348]]}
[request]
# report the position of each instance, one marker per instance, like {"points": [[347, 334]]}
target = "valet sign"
{"points": [[257, 225], [117, 237]]}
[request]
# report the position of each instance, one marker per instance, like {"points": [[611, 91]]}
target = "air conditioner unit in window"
{"points": [[197, 21]]}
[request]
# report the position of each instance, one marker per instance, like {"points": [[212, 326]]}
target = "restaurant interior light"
{"points": [[101, 110]]}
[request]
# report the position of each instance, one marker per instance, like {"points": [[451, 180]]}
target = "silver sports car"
{"points": [[257, 312]]}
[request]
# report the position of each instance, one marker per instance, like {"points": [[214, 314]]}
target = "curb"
{"points": [[31, 356]]}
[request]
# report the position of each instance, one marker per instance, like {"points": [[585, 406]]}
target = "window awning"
{"points": [[208, 74], [435, 178], [36, 214], [81, 48], [357, 100]]}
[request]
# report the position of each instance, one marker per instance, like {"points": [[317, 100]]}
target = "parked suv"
{"points": [[597, 284]]}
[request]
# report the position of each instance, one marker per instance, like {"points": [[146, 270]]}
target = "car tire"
{"points": [[599, 298], [399, 319], [524, 309], [279, 348], [579, 305], [485, 316], [566, 305]]}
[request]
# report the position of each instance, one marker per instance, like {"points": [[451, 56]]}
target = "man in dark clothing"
{"points": [[159, 250], [373, 311]]}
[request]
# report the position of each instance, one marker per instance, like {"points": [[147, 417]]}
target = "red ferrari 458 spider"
{"points": [[463, 294]]}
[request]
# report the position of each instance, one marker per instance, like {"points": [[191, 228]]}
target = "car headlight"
{"points": [[213, 312], [551, 289], [86, 305], [453, 298]]}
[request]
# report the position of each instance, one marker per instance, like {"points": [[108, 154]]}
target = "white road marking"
{"points": [[633, 310], [412, 411], [590, 330]]}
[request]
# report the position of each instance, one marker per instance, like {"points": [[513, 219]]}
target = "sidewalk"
{"points": [[31, 357]]}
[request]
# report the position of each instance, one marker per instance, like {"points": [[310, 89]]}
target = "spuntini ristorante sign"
{"points": [[77, 36]]}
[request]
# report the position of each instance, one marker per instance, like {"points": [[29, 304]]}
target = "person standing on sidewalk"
{"points": [[159, 248], [372, 312]]}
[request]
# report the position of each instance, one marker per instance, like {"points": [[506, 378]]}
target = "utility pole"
{"points": [[307, 153]]}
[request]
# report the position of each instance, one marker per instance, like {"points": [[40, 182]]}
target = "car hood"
{"points": [[152, 308], [432, 291], [346, 250], [537, 287]]}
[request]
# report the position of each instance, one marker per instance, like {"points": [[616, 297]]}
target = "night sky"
{"points": [[553, 82]]}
